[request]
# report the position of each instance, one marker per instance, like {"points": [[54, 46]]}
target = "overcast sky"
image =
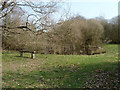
{"points": [[94, 8]]}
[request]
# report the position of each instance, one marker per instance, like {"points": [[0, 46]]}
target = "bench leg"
{"points": [[32, 55], [21, 54]]}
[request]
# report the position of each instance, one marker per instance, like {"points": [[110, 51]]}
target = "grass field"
{"points": [[62, 71]]}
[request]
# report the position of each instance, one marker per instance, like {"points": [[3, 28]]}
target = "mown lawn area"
{"points": [[62, 71]]}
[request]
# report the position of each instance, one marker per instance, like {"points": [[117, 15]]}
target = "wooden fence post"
{"points": [[21, 54], [33, 55]]}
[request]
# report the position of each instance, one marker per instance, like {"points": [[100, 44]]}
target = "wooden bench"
{"points": [[32, 53]]}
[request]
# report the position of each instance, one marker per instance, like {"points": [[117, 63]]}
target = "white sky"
{"points": [[91, 8], [73, 0], [92, 0], [95, 9]]}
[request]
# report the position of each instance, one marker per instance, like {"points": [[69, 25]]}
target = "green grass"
{"points": [[51, 71]]}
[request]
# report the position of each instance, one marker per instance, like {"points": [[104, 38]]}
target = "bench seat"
{"points": [[32, 53]]}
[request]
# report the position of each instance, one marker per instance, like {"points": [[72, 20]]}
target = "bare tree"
{"points": [[39, 16], [36, 21], [6, 6]]}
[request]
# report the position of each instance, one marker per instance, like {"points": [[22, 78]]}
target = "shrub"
{"points": [[77, 36]]}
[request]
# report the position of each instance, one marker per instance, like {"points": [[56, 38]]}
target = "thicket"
{"points": [[37, 31], [111, 30], [76, 35]]}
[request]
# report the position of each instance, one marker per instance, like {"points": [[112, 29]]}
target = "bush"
{"points": [[76, 36]]}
